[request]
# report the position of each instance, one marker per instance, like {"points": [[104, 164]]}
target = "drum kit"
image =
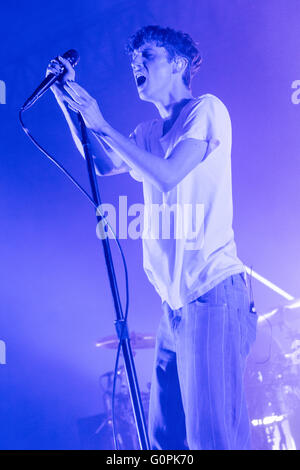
{"points": [[272, 383], [272, 380], [126, 435]]}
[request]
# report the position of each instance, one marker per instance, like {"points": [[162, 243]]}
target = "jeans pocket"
{"points": [[214, 297], [243, 277], [249, 337]]}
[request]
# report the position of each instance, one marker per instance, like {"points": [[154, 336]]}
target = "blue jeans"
{"points": [[197, 398]]}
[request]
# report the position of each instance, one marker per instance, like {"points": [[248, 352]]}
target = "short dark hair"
{"points": [[176, 43]]}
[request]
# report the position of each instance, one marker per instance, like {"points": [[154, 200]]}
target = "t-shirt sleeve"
{"points": [[133, 173], [209, 121]]}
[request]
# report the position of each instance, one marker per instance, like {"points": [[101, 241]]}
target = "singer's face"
{"points": [[152, 71]]}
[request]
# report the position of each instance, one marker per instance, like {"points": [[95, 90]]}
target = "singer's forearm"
{"points": [[106, 162], [153, 167], [73, 125], [163, 173]]}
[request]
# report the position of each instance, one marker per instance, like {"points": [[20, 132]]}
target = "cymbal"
{"points": [[281, 309], [295, 303], [137, 341]]}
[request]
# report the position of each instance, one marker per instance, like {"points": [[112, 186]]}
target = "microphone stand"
{"points": [[120, 322]]}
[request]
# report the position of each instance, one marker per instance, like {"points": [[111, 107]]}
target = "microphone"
{"points": [[73, 57]]}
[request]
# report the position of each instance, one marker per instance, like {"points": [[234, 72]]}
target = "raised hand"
{"points": [[77, 98], [81, 101], [56, 66]]}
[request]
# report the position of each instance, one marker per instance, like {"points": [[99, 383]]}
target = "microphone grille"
{"points": [[72, 56]]}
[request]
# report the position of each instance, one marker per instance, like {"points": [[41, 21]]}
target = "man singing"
{"points": [[183, 157]]}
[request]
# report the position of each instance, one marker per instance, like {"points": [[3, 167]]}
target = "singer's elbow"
{"points": [[167, 182], [102, 168]]}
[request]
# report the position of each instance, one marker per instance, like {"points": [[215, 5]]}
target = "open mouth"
{"points": [[140, 80]]}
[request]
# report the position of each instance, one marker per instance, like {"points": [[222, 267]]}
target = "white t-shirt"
{"points": [[184, 263]]}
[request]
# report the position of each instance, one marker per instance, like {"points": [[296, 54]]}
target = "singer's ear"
{"points": [[180, 64]]}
